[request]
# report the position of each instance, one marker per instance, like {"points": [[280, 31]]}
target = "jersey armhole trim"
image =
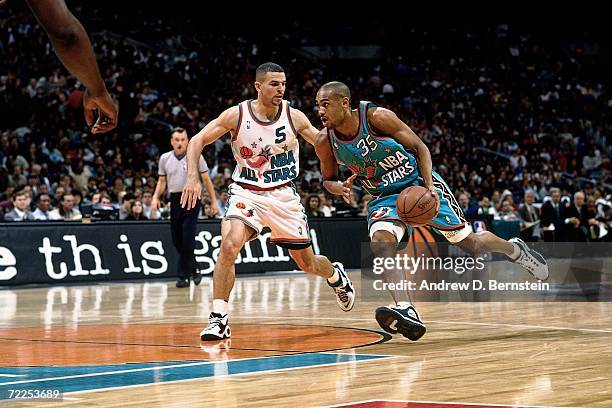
{"points": [[291, 120], [239, 122], [369, 128]]}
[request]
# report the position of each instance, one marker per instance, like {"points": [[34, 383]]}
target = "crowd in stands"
{"points": [[517, 122]]}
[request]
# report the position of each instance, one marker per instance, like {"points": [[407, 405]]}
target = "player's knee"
{"points": [[231, 246], [383, 244], [473, 244], [305, 263]]}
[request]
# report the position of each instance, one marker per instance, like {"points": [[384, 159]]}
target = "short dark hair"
{"points": [[19, 194], [177, 130], [266, 67], [337, 88]]}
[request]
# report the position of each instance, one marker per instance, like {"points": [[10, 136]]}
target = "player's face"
{"points": [[272, 88], [331, 109], [179, 143]]}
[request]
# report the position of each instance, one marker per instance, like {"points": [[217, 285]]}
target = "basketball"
{"points": [[416, 205]]}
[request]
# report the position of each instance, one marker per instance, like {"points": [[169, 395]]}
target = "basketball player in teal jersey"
{"points": [[386, 156]]}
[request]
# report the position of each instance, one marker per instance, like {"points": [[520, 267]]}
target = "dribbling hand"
{"points": [[434, 193]]}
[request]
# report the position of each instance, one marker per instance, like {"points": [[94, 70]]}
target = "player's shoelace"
{"points": [[341, 290], [528, 261], [342, 294], [215, 322]]}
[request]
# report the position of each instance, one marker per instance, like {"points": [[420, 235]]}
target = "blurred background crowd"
{"points": [[517, 118]]}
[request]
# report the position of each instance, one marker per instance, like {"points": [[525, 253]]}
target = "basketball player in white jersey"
{"points": [[265, 144]]}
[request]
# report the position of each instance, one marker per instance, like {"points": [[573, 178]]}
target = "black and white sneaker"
{"points": [[345, 293], [217, 328], [401, 318], [531, 260]]}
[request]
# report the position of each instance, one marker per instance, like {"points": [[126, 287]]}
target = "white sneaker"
{"points": [[345, 293], [531, 260], [401, 318], [217, 328]]}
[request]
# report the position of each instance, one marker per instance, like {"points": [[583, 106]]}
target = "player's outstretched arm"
{"points": [[329, 168], [218, 127], [303, 126], [74, 49]]}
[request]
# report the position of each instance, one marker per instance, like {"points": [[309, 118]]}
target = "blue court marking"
{"points": [[86, 378]]}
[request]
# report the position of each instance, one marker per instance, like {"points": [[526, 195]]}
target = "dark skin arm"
{"points": [[387, 123], [329, 168], [74, 49]]}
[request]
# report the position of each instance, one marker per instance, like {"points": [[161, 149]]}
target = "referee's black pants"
{"points": [[183, 225]]}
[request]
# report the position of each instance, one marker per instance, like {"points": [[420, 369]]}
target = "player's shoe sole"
{"points": [[393, 321]]}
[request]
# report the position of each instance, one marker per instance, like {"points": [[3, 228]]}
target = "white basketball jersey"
{"points": [[267, 153]]}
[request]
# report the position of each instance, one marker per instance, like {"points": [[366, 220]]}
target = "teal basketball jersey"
{"points": [[382, 165]]}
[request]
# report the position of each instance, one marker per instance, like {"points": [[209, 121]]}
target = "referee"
{"points": [[173, 174]]}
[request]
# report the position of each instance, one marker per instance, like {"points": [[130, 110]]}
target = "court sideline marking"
{"points": [[198, 363], [231, 376]]}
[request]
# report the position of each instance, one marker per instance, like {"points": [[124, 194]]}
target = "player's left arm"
{"points": [[387, 123], [303, 126]]}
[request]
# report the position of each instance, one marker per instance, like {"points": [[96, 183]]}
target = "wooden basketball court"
{"points": [[137, 344]]}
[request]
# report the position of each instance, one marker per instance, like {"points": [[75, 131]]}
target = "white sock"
{"points": [[220, 306], [334, 278], [516, 252]]}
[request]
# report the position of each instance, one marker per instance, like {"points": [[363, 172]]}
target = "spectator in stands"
{"points": [[207, 212], [135, 211], [576, 219], [147, 197], [66, 210], [80, 175], [43, 209], [105, 201], [470, 210], [530, 217], [553, 216], [223, 202], [17, 179], [593, 224], [485, 207], [507, 213], [21, 208], [125, 201], [553, 125], [313, 202]]}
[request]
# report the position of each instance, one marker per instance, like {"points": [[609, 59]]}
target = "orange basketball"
{"points": [[416, 205]]}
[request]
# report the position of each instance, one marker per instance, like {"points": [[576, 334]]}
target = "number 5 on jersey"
{"points": [[280, 135]]}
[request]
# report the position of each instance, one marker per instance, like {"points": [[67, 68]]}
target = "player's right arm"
{"points": [[226, 122], [329, 168]]}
